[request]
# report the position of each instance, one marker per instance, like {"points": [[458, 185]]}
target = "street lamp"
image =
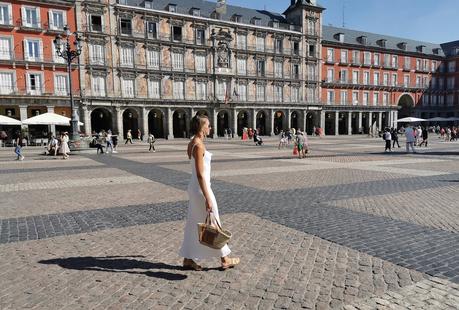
{"points": [[64, 50]]}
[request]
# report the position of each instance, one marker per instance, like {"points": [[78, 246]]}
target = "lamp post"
{"points": [[64, 50]]}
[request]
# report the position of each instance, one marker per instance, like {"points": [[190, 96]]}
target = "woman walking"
{"points": [[202, 201], [64, 148], [128, 137]]}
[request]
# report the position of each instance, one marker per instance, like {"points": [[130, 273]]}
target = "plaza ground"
{"points": [[349, 227]]}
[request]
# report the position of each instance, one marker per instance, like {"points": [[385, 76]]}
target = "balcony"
{"points": [[97, 61], [31, 27], [55, 29], [7, 24], [39, 59]]}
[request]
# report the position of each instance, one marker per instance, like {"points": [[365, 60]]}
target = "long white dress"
{"points": [[191, 248]]}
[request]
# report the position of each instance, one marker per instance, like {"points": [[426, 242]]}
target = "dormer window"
{"points": [[275, 23], [402, 45], [436, 51], [256, 21], [420, 48], [340, 37], [381, 42], [456, 51], [362, 40], [195, 12], [148, 4], [172, 8], [215, 15], [236, 18]]}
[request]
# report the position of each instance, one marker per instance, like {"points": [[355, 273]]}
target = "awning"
{"points": [[49, 119], [411, 120], [5, 120]]}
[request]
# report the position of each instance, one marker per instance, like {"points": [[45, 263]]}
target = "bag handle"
{"points": [[209, 220]]}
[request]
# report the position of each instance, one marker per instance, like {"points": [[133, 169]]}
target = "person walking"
{"points": [[108, 140], [139, 134], [18, 147], [64, 147], [128, 137], [300, 144], [388, 138], [394, 136], [100, 142], [151, 141], [410, 139], [202, 201], [425, 135]]}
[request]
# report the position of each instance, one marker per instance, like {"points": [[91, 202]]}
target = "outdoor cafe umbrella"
{"points": [[4, 120], [49, 119], [437, 119], [411, 120]]}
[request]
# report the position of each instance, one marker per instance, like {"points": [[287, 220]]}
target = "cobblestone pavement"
{"points": [[349, 227]]}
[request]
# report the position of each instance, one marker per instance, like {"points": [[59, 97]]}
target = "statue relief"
{"points": [[223, 55]]}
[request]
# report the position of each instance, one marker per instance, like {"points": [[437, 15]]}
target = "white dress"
{"points": [[191, 248]]}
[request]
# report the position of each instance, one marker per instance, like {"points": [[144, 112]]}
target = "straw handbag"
{"points": [[213, 236]]}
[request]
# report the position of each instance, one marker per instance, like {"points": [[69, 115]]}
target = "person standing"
{"points": [[18, 147], [151, 141], [139, 134], [388, 138], [64, 148], [425, 135], [300, 144], [410, 139], [128, 137], [202, 202], [394, 136]]}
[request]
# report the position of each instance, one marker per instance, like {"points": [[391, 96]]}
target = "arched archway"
{"points": [[405, 106], [222, 123], [130, 122], [179, 124], [101, 119], [294, 120], [278, 122], [261, 123], [202, 112], [329, 123], [342, 125], [311, 122], [156, 123], [242, 121]]}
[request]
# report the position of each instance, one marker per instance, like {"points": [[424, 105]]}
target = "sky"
{"points": [[424, 20]]}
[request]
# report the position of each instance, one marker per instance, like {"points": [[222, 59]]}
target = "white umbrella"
{"points": [[452, 119], [410, 120], [49, 119], [4, 120], [437, 119]]}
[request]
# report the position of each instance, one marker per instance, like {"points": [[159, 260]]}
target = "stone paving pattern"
{"points": [[350, 227]]}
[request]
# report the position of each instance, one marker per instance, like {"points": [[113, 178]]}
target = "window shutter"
{"points": [[40, 51], [23, 14], [51, 20], [26, 50], [38, 15], [64, 17]]}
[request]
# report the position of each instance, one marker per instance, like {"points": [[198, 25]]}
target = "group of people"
{"points": [[298, 137], [59, 145], [106, 139], [449, 134], [415, 136]]}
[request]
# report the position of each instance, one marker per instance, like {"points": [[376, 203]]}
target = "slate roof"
{"points": [[449, 48], [392, 43]]}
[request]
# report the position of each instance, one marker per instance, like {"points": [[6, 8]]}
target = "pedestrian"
{"points": [[300, 144], [425, 135], [418, 135], [53, 146], [64, 147], [151, 141], [100, 142], [394, 136], [388, 138], [410, 139], [108, 141], [128, 137], [19, 144], [282, 140], [139, 134], [115, 143], [202, 202]]}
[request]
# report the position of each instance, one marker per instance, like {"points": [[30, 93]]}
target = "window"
{"points": [[153, 59], [201, 90], [260, 67], [241, 66], [222, 89], [366, 98], [418, 64], [343, 76], [386, 79], [356, 57], [343, 97], [355, 77], [394, 79], [6, 83], [441, 83], [6, 14], [241, 41], [450, 82], [5, 48], [311, 27], [96, 54], [452, 66], [177, 60], [387, 60], [260, 92], [355, 97], [256, 21], [61, 85], [278, 45], [172, 8], [98, 86], [34, 83], [96, 23], [310, 94], [406, 81], [31, 17], [376, 59], [200, 63], [242, 92], [330, 75], [433, 82], [344, 56], [277, 69], [200, 36], [425, 66], [434, 66], [376, 78], [367, 58], [295, 94], [312, 50], [330, 53], [154, 89], [176, 33], [278, 96], [33, 48], [152, 30], [385, 99], [311, 72], [375, 98], [418, 81], [330, 97], [296, 71], [260, 44], [366, 78], [126, 26], [127, 56], [195, 12], [127, 86], [296, 48], [57, 20], [450, 100], [407, 63], [394, 61], [178, 90]]}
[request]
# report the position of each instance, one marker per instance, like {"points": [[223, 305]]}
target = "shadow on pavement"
{"points": [[125, 264]]}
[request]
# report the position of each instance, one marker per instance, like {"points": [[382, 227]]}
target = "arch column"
{"points": [[170, 124], [254, 119], [145, 123], [289, 119], [349, 123], [370, 121], [336, 123], [380, 121], [271, 121], [214, 123], [86, 120], [119, 123], [359, 124], [305, 120], [234, 129], [322, 121]]}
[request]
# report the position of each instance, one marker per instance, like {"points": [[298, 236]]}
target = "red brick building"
{"points": [[33, 79]]}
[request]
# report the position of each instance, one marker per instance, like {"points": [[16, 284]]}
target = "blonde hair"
{"points": [[197, 122]]}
